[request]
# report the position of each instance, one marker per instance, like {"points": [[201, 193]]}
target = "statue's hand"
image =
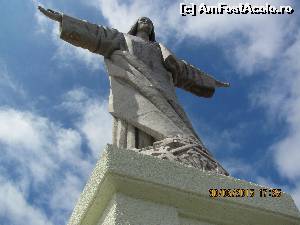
{"points": [[51, 14], [222, 84]]}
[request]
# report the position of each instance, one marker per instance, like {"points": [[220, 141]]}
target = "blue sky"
{"points": [[54, 119]]}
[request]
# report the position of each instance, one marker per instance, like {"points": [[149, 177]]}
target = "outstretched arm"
{"points": [[97, 39], [190, 78], [189, 72]]}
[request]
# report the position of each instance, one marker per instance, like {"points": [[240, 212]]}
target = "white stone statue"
{"points": [[143, 76]]}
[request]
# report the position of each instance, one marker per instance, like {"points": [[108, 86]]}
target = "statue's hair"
{"points": [[133, 31]]}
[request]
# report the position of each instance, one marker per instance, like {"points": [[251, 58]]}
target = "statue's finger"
{"points": [[222, 84], [50, 14], [44, 11], [226, 84]]}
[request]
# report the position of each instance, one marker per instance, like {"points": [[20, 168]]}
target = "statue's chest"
{"points": [[150, 55], [147, 52]]}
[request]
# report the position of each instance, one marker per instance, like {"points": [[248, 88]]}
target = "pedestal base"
{"points": [[135, 189]]}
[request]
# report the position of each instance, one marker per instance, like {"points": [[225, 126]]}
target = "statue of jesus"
{"points": [[143, 76]]}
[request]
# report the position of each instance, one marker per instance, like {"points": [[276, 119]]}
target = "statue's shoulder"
{"points": [[166, 53]]}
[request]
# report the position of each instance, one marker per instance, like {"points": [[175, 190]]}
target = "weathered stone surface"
{"points": [[130, 188], [187, 150]]}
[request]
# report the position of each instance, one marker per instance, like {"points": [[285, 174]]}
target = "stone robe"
{"points": [[143, 76]]}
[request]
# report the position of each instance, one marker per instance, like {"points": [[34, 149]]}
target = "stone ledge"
{"points": [[173, 184]]}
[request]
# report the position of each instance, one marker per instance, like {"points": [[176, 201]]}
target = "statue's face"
{"points": [[145, 24]]}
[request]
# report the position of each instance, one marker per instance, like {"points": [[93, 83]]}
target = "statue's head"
{"points": [[143, 24]]}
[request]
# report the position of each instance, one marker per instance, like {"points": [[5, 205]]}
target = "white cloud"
{"points": [[96, 125], [42, 144], [93, 121], [287, 155], [68, 55], [129, 13], [65, 198], [22, 125], [45, 161], [67, 191], [39, 154], [43, 24], [40, 162], [8, 85], [15, 207], [68, 143], [281, 99]]}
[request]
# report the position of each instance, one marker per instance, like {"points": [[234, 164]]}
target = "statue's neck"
{"points": [[143, 35]]}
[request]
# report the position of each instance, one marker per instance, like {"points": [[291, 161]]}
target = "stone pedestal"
{"points": [[129, 188]]}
